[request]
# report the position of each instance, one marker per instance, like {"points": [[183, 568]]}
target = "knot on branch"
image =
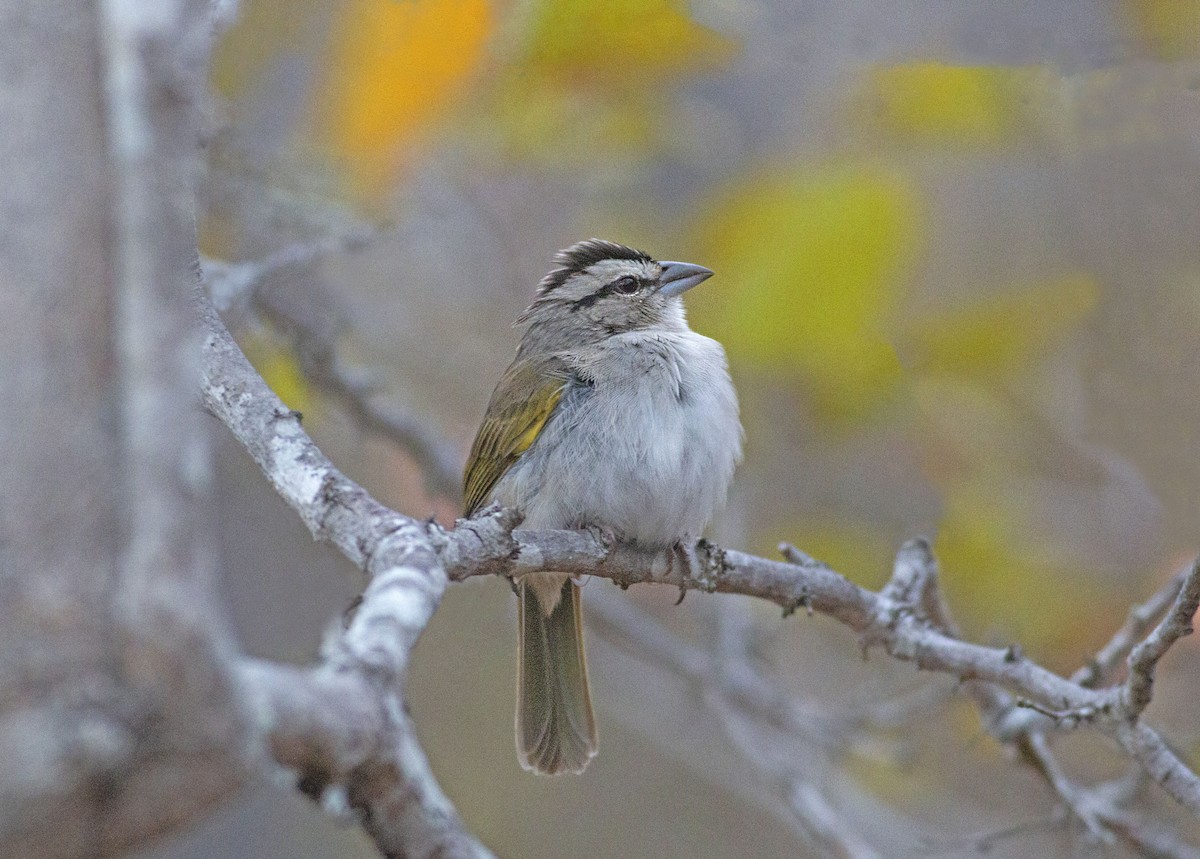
{"points": [[711, 565], [803, 601], [485, 542]]}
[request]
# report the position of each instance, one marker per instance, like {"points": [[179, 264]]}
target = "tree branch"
{"points": [[1101, 668], [901, 618], [1143, 660], [341, 725], [484, 546]]}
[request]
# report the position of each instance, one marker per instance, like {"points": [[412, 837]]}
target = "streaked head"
{"points": [[601, 288]]}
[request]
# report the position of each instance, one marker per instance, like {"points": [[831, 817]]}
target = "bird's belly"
{"points": [[651, 468]]}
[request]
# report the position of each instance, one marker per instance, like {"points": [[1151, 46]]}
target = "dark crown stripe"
{"points": [[581, 255]]}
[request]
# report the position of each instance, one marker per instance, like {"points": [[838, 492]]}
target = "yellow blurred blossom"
{"points": [[392, 71]]}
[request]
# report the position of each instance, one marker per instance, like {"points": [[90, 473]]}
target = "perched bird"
{"points": [[614, 415]]}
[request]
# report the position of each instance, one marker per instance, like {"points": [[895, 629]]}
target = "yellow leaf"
{"points": [[620, 40], [814, 262], [393, 71], [1002, 333], [277, 365], [547, 118], [586, 80], [969, 106]]}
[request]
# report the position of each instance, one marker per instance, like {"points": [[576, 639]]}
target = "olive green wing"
{"points": [[523, 401]]}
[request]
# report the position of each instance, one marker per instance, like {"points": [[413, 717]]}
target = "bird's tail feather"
{"points": [[556, 729]]}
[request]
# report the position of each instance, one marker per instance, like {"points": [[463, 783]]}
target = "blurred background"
{"points": [[958, 279]]}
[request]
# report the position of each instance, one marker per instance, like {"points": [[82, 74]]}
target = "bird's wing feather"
{"points": [[522, 403]]}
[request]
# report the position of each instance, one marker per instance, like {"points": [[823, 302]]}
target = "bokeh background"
{"points": [[957, 248]]}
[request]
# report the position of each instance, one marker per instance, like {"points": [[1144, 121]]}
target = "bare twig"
{"points": [[1100, 669], [1101, 808], [1143, 660], [232, 284], [483, 546], [819, 822], [1080, 802], [632, 628]]}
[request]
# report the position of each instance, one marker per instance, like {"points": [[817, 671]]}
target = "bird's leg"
{"points": [[683, 552]]}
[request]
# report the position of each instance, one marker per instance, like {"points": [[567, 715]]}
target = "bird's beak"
{"points": [[679, 277]]}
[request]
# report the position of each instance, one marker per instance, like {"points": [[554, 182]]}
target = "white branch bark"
{"points": [[1144, 658], [176, 649]]}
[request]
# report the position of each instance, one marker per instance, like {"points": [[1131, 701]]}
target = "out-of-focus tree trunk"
{"points": [[116, 711], [60, 507]]}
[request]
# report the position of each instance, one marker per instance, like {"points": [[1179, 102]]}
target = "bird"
{"points": [[614, 415]]}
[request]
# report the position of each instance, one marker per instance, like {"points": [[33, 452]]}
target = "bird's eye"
{"points": [[626, 285]]}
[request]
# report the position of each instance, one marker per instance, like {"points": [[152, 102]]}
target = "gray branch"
{"points": [[120, 715], [907, 619], [1143, 660], [341, 725], [1101, 668], [164, 595]]}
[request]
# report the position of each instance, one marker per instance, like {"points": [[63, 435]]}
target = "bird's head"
{"points": [[602, 288]]}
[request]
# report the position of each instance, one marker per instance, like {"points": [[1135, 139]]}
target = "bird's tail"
{"points": [[556, 729]]}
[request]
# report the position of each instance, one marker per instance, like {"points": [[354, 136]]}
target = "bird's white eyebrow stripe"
{"points": [[607, 289]]}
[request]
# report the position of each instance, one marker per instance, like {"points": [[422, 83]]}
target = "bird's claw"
{"points": [[685, 553]]}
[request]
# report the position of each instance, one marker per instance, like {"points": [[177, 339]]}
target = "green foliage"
{"points": [[619, 43], [589, 81]]}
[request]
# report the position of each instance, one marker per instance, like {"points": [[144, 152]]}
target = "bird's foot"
{"points": [[698, 564], [682, 558]]}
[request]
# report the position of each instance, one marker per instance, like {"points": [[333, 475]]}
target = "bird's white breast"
{"points": [[647, 449]]}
